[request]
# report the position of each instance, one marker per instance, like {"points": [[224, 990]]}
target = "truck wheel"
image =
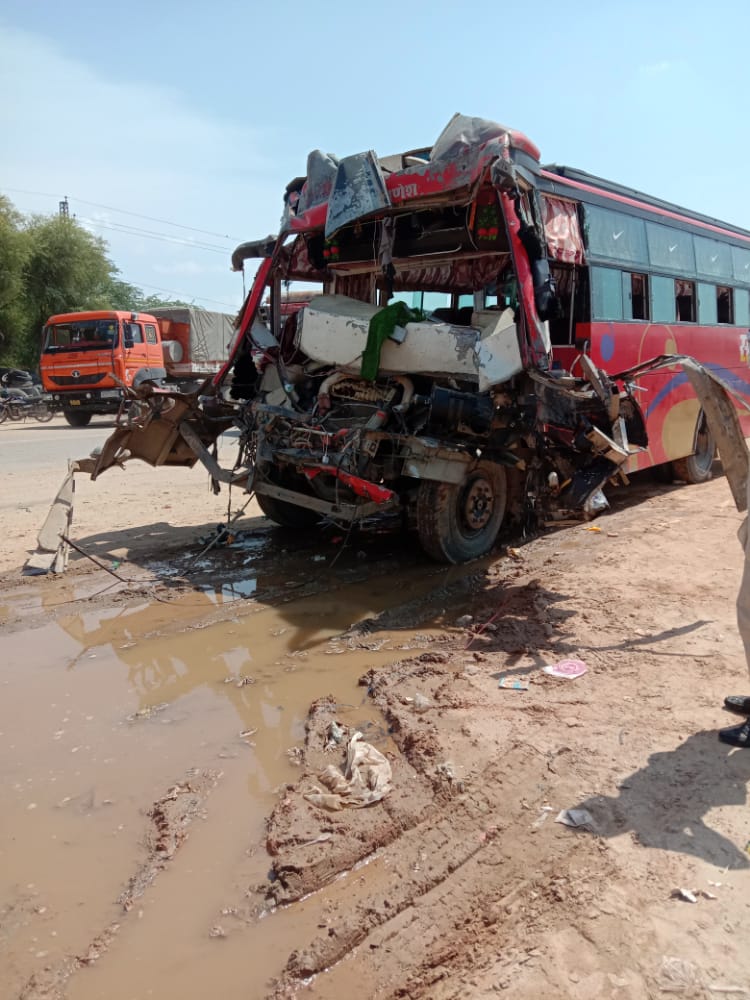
{"points": [[456, 523], [696, 468], [77, 418], [287, 515]]}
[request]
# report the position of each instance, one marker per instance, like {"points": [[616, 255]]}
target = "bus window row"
{"points": [[632, 295], [626, 239]]}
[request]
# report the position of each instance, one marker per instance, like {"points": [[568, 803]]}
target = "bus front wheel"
{"points": [[696, 468], [456, 523]]}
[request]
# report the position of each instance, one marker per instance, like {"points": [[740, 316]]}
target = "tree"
{"points": [[14, 251], [147, 302], [67, 269], [48, 265]]}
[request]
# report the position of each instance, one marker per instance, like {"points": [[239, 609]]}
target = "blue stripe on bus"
{"points": [[728, 375]]}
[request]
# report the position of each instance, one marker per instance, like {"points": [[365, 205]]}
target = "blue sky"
{"points": [[200, 113]]}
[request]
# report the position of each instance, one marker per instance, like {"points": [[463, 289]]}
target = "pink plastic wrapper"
{"points": [[569, 669]]}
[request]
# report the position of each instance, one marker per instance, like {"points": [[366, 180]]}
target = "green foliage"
{"points": [[67, 270], [53, 265], [148, 302], [14, 251]]}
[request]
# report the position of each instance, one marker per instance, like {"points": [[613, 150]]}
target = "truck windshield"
{"points": [[81, 335]]}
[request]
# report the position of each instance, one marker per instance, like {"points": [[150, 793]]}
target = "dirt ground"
{"points": [[159, 737]]}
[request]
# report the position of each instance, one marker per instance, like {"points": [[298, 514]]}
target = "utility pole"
{"points": [[64, 208]]}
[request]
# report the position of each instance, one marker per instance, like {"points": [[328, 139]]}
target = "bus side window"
{"points": [[724, 304], [636, 297], [684, 294], [662, 299], [707, 303], [742, 307], [606, 293]]}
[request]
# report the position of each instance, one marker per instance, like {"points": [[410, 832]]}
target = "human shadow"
{"points": [[665, 802]]}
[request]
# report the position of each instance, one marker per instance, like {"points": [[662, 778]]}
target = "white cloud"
{"points": [[66, 128]]}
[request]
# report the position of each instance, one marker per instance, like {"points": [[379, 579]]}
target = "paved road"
{"points": [[31, 445]]}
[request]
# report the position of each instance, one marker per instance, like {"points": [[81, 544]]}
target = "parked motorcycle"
{"points": [[20, 398]]}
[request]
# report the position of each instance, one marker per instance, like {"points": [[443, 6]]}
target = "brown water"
{"points": [[102, 713]]}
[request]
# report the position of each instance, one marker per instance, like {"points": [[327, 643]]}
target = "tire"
{"points": [[287, 515], [77, 418], [456, 523], [3, 412], [15, 411], [697, 468], [43, 412]]}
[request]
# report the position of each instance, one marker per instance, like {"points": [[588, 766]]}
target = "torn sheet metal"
{"points": [[358, 191], [152, 432], [719, 402], [52, 550]]}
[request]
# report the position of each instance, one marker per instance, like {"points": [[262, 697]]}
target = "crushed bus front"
{"points": [[416, 377]]}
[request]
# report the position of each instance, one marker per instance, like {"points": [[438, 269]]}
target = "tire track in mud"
{"points": [[447, 878], [481, 884], [445, 868], [171, 817]]}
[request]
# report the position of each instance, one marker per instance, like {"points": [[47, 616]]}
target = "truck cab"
{"points": [[89, 358]]}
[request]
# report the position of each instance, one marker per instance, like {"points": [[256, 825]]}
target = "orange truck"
{"points": [[90, 359]]}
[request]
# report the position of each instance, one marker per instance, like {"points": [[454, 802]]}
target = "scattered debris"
{"points": [[320, 839], [334, 736], [677, 975], [691, 895], [596, 503], [446, 770], [464, 620], [569, 669], [542, 817], [366, 779], [146, 713], [513, 683], [217, 931], [419, 702], [687, 894], [575, 818], [242, 681]]}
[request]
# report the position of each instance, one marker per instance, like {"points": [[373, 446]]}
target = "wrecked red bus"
{"points": [[452, 368], [638, 277]]}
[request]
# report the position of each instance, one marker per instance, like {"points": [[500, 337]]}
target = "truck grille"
{"points": [[79, 380]]}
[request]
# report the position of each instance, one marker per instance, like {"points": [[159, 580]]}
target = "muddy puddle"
{"points": [[107, 709]]}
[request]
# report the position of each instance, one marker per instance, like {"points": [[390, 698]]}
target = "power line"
{"points": [[125, 230], [145, 234], [165, 222], [182, 295], [123, 211]]}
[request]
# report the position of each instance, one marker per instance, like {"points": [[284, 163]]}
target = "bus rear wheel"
{"points": [[459, 522], [77, 418], [697, 468]]}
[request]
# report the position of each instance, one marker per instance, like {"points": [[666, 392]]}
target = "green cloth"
{"points": [[381, 327]]}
